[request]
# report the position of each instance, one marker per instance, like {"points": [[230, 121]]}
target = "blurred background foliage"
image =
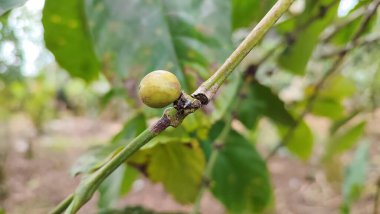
{"points": [[84, 59]]}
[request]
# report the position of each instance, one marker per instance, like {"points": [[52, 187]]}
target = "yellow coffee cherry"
{"points": [[159, 88]]}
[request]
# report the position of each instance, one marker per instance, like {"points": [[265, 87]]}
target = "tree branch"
{"points": [[361, 42], [173, 116]]}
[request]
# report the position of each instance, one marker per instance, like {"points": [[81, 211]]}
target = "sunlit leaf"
{"points": [[301, 141], [338, 87], [330, 108], [179, 168], [341, 142], [66, 36]]}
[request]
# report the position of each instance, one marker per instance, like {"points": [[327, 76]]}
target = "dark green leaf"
{"points": [[261, 101], [67, 38], [240, 177], [247, 12], [344, 141], [355, 174], [135, 37]]}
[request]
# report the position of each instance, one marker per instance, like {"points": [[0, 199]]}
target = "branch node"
{"points": [[218, 146]]}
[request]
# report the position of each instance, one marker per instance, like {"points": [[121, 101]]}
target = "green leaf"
{"points": [[6, 5], [93, 159], [261, 101], [338, 87], [298, 52], [131, 129], [129, 176], [134, 38], [240, 177], [342, 121], [346, 34], [355, 174], [333, 92], [301, 141], [344, 141], [117, 184], [247, 12], [109, 189], [330, 108], [179, 168], [67, 38]]}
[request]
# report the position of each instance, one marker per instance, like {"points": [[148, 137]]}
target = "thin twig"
{"points": [[334, 29], [371, 11], [362, 42]]}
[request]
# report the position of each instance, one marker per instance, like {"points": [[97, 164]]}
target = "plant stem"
{"points": [[371, 11], [91, 183], [63, 205], [173, 118], [208, 88]]}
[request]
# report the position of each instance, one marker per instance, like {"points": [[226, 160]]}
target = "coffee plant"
{"points": [[197, 55]]}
